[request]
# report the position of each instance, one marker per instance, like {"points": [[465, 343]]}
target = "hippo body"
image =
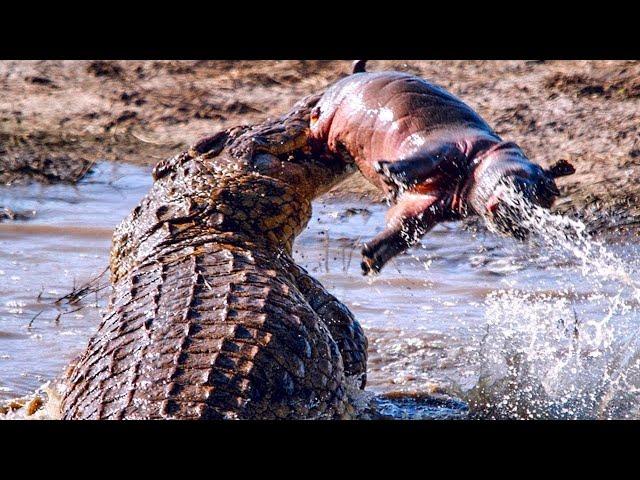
{"points": [[435, 157], [393, 116]]}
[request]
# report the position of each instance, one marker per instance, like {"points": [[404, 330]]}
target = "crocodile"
{"points": [[209, 315]]}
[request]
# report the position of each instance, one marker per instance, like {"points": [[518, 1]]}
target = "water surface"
{"points": [[540, 330]]}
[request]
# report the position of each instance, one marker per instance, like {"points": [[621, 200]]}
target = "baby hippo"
{"points": [[431, 153]]}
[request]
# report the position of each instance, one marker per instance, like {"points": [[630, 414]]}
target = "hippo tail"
{"points": [[359, 66]]}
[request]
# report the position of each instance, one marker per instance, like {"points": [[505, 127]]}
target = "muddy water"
{"points": [[66, 243], [541, 330]]}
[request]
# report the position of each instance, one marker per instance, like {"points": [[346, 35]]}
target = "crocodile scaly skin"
{"points": [[210, 318]]}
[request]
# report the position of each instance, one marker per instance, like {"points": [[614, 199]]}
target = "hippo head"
{"points": [[505, 193]]}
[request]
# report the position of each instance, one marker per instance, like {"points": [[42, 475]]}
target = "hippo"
{"points": [[433, 155]]}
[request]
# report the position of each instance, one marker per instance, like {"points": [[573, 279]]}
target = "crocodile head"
{"points": [[255, 183], [245, 184], [280, 188]]}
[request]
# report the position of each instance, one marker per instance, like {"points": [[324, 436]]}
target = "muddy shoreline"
{"points": [[58, 117]]}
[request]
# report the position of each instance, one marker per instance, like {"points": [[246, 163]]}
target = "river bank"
{"points": [[64, 115]]}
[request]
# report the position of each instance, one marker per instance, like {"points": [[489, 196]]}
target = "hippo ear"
{"points": [[561, 168]]}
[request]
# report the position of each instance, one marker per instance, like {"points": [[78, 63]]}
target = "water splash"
{"points": [[546, 356]]}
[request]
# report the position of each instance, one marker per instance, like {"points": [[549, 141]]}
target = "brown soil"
{"points": [[19, 167], [71, 113]]}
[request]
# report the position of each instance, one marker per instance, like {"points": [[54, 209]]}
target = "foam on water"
{"points": [[547, 356]]}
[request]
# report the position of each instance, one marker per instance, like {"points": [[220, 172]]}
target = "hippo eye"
{"points": [[315, 114]]}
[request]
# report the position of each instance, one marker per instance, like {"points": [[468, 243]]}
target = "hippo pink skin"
{"points": [[430, 152]]}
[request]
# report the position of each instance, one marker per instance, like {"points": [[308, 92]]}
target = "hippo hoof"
{"points": [[370, 265]]}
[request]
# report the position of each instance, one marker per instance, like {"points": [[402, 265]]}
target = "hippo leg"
{"points": [[345, 330], [402, 174], [412, 217]]}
